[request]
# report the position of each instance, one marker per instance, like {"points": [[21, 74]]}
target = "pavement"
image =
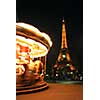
{"points": [[56, 91]]}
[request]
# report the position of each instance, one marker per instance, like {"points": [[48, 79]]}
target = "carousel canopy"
{"points": [[31, 40]]}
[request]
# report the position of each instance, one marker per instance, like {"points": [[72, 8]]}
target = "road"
{"points": [[56, 91]]}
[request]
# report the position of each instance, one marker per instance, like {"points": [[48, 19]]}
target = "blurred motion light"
{"points": [[38, 42]]}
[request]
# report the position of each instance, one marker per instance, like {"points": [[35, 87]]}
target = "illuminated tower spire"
{"points": [[64, 39], [64, 53]]}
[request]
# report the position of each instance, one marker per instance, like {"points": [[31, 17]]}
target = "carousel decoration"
{"points": [[31, 46]]}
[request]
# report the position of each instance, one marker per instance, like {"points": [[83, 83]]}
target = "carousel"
{"points": [[32, 47]]}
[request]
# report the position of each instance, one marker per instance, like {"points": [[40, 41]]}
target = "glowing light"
{"points": [[30, 27], [36, 31], [72, 67], [68, 64], [37, 49], [47, 37], [29, 48], [64, 56], [71, 72], [47, 75], [56, 74]]}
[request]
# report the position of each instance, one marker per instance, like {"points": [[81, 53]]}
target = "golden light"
{"points": [[30, 44], [72, 67], [37, 49], [38, 42]]}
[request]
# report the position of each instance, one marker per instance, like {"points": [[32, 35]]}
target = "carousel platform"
{"points": [[24, 89]]}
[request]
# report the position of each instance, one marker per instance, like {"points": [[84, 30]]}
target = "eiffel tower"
{"points": [[64, 69]]}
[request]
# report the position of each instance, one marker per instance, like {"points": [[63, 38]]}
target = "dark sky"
{"points": [[47, 15]]}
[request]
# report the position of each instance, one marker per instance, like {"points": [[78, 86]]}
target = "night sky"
{"points": [[47, 17]]}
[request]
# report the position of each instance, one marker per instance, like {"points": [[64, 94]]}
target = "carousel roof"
{"points": [[38, 42]]}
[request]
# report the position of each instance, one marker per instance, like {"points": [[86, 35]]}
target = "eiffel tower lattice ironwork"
{"points": [[64, 56], [64, 69]]}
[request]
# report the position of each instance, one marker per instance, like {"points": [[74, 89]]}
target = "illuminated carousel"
{"points": [[32, 46]]}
